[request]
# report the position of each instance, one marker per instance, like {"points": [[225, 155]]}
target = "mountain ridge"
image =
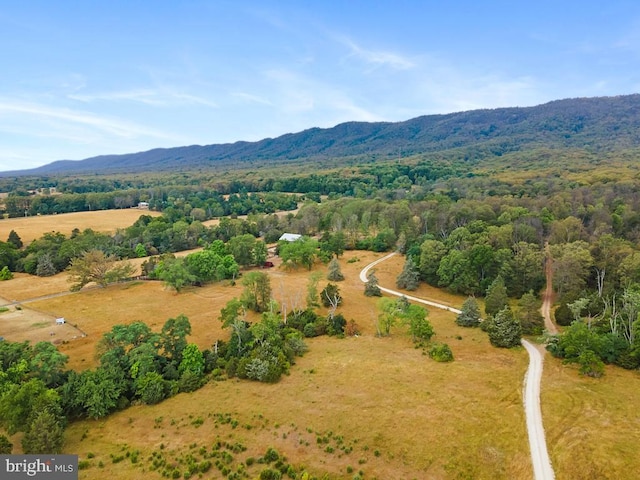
{"points": [[596, 123]]}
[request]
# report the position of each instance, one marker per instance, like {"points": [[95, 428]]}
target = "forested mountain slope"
{"points": [[595, 124]]}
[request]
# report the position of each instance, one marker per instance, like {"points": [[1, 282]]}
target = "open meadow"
{"points": [[363, 404], [105, 221]]}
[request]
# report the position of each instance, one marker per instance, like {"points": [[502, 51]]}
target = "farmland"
{"points": [[105, 221], [397, 413]]}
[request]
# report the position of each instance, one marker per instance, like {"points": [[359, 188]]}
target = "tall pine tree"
{"points": [[496, 298], [409, 278]]}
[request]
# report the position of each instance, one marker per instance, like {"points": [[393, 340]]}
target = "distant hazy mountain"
{"points": [[597, 124]]}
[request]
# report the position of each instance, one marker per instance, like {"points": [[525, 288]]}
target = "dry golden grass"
{"points": [[107, 221], [30, 325], [592, 425], [426, 419]]}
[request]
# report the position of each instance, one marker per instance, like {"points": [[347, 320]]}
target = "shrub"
{"points": [[5, 274], [441, 352], [270, 474]]}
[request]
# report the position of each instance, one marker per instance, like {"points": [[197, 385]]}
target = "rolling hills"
{"points": [[600, 124]]}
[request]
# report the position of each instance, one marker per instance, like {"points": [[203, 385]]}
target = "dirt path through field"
{"points": [[547, 298], [542, 468]]}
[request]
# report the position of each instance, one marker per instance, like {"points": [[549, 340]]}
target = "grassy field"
{"points": [[366, 404], [108, 221]]}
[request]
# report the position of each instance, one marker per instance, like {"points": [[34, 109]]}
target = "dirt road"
{"points": [[542, 468]]}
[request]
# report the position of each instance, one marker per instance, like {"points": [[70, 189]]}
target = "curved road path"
{"points": [[542, 469]]}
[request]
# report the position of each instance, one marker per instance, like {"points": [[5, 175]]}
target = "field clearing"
{"points": [[33, 326], [426, 420], [106, 221]]}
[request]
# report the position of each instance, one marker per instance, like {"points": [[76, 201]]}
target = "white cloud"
{"points": [[377, 58], [115, 127], [152, 97], [249, 98]]}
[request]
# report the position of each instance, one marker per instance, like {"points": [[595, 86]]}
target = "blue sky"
{"points": [[85, 78]]}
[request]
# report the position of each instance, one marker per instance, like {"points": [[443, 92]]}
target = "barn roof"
{"points": [[290, 237]]}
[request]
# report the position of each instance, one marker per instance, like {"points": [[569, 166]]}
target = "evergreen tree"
{"points": [[504, 329], [409, 278], [496, 298], [45, 434], [14, 239], [371, 288], [6, 447], [470, 314], [531, 319], [334, 273], [45, 267]]}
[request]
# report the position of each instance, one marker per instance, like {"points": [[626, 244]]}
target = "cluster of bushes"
{"points": [[602, 331], [38, 396]]}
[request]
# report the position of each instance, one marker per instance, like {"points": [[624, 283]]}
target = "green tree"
{"points": [[44, 435], [45, 266], [590, 364], [504, 329], [431, 254], [260, 253], [48, 363], [256, 295], [14, 239], [208, 266], [96, 266], [173, 337], [531, 319], [330, 295], [5, 274], [371, 288], [526, 269], [99, 390], [6, 447], [302, 252], [409, 278], [469, 315], [390, 312], [9, 255], [334, 274], [140, 251], [496, 298], [174, 273], [192, 360], [20, 402], [242, 248], [312, 290], [419, 326], [572, 263], [151, 388], [456, 273]]}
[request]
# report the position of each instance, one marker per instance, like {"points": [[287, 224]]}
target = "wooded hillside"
{"points": [[595, 124]]}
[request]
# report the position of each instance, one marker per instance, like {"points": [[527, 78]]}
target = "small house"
{"points": [[60, 321], [143, 205]]}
